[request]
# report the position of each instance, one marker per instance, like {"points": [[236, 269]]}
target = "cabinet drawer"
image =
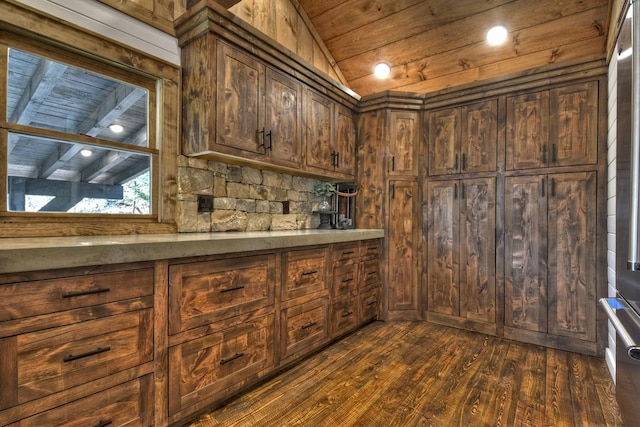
{"points": [[45, 362], [202, 370], [303, 327], [303, 273], [205, 292], [344, 316], [371, 250], [127, 404], [25, 299], [369, 304], [345, 279], [370, 273], [348, 252]]}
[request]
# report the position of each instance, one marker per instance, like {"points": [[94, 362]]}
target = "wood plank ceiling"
{"points": [[433, 45]]}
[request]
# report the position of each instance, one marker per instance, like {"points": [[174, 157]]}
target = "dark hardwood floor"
{"points": [[421, 374]]}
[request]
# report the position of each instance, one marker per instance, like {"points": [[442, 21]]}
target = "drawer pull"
{"points": [[372, 302], [98, 350], [231, 359], [350, 279], [372, 273], [347, 314], [348, 252], [82, 293], [308, 325], [235, 288], [309, 273], [103, 423]]}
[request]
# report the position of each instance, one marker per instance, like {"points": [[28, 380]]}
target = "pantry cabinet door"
{"points": [[479, 139], [444, 141], [572, 255], [527, 130], [526, 253], [478, 250], [404, 139], [443, 263]]}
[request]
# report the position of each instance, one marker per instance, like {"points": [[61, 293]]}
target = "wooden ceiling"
{"points": [[433, 45]]}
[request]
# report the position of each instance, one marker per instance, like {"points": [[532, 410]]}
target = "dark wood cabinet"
{"points": [[556, 127], [463, 139], [460, 233], [550, 258], [404, 142]]}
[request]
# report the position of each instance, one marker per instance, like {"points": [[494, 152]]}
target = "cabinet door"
{"points": [[527, 130], [477, 250], [284, 119], [526, 253], [345, 142], [444, 141], [404, 137], [479, 140], [240, 100], [573, 128], [402, 246], [572, 255], [320, 131], [442, 231]]}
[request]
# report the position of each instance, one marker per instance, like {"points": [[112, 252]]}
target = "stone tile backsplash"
{"points": [[244, 198]]}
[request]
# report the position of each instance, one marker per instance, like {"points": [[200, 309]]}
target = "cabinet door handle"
{"points": [[393, 163], [88, 292], [337, 159], [543, 184], [455, 191], [393, 191], [554, 153], [262, 138], [455, 163], [103, 423], [235, 288], [553, 187], [347, 314], [308, 325], [224, 361], [73, 357], [464, 161], [462, 190], [270, 147], [544, 154]]}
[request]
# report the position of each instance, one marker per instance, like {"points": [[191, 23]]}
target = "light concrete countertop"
{"points": [[30, 254]]}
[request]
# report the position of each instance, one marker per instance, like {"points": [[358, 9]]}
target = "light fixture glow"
{"points": [[116, 128], [497, 35], [86, 152], [382, 70]]}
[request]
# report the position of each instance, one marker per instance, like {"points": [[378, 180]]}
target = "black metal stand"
{"points": [[325, 219]]}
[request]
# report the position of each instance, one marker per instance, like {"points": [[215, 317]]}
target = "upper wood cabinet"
{"points": [[460, 233], [330, 137], [463, 139], [404, 140], [556, 127], [258, 109]]}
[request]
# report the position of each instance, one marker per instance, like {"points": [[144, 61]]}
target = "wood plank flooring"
{"points": [[422, 374]]}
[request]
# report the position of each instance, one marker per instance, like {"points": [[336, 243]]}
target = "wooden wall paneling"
{"points": [[157, 13], [526, 253], [572, 255], [527, 130], [402, 250]]}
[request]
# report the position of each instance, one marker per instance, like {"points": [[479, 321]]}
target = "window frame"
{"points": [[76, 47]]}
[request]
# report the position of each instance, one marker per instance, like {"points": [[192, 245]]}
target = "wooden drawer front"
{"points": [[371, 250], [303, 326], [369, 304], [345, 279], [345, 253], [25, 299], [205, 292], [201, 369], [304, 273], [370, 273], [129, 404], [56, 359], [344, 316]]}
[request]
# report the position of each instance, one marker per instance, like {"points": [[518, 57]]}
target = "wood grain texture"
{"points": [[370, 165], [527, 130], [404, 140], [416, 373]]}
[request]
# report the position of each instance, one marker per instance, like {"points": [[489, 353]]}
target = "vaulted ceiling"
{"points": [[437, 44]]}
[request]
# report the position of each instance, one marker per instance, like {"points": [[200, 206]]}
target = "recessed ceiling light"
{"points": [[497, 35], [116, 128], [382, 70], [86, 152]]}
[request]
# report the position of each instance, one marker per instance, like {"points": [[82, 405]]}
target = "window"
{"points": [[78, 140]]}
